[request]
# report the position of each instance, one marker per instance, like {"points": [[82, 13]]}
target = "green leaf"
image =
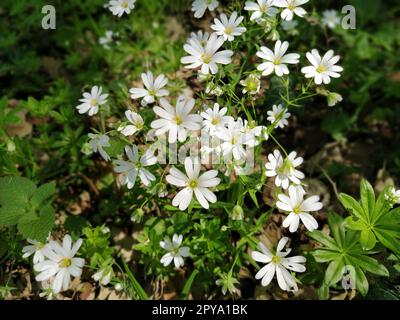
{"points": [[369, 264], [367, 239], [336, 226], [352, 205], [188, 285], [352, 224], [37, 227], [136, 287], [334, 272], [323, 238], [367, 198], [324, 255], [361, 281], [14, 189], [11, 213], [43, 193]]}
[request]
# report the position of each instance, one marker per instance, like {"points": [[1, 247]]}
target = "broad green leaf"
{"points": [[354, 224], [43, 193], [11, 213], [14, 189], [369, 264], [389, 239], [361, 281], [367, 239], [37, 227], [334, 272], [352, 205], [367, 198]]}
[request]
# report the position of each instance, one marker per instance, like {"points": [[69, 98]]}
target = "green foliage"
{"points": [[96, 247], [373, 218], [26, 206], [342, 250]]}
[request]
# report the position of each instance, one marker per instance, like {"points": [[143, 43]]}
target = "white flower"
{"points": [[175, 251], [278, 116], [134, 167], [330, 19], [253, 132], [98, 142], [393, 196], [91, 101], [103, 276], [299, 209], [200, 36], [137, 123], [234, 139], [60, 263], [176, 121], [278, 263], [276, 61], [193, 183], [107, 39], [333, 98], [206, 56], [215, 118], [284, 169], [119, 7], [199, 7], [291, 7], [36, 248], [322, 69], [260, 8], [214, 90], [251, 84], [154, 88], [228, 28]]}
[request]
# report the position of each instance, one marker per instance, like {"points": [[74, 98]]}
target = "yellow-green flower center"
{"points": [[275, 259], [321, 69], [297, 210], [206, 58], [124, 4], [193, 184], [277, 61], [215, 121], [93, 102], [65, 263], [178, 120], [152, 92], [286, 167], [228, 30]]}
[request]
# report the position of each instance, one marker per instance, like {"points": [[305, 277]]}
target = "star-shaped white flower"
{"points": [[207, 57], [91, 101], [278, 116], [60, 263], [175, 253], [99, 141], [228, 28], [193, 183], [330, 19], [278, 263], [298, 209], [215, 118], [277, 61], [199, 7], [153, 88], [35, 248], [119, 7], [260, 8], [284, 169], [176, 121], [322, 69], [135, 167], [292, 7], [136, 125]]}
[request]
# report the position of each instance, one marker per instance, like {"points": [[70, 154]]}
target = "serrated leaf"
{"points": [[42, 193], [37, 227], [14, 189], [11, 213]]}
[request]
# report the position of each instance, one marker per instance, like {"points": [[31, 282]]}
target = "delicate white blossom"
{"points": [[193, 182], [277, 61], [92, 101], [199, 7], [292, 7], [200, 36], [35, 248], [322, 69], [98, 142], [228, 28], [176, 121], [119, 7], [136, 125], [260, 8], [153, 88], [278, 116], [298, 209], [60, 263], [175, 250], [215, 119], [134, 167], [103, 276], [330, 19], [251, 84], [278, 263], [207, 57], [284, 169]]}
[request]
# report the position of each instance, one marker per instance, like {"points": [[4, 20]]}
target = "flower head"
{"points": [[199, 7], [298, 209], [330, 19], [153, 88], [175, 253], [35, 248], [278, 263], [135, 167], [176, 121], [119, 7], [60, 263], [215, 118], [91, 101], [260, 8], [322, 69], [207, 57], [228, 28], [276, 61], [278, 116], [193, 183], [292, 7], [284, 169], [200, 36], [136, 125], [393, 196], [251, 84], [98, 142]]}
